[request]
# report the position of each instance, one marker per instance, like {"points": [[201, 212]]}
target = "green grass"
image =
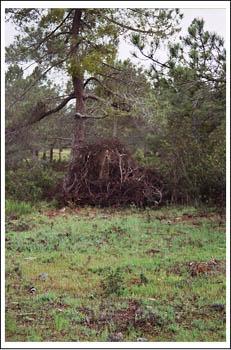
{"points": [[17, 208], [111, 272]]}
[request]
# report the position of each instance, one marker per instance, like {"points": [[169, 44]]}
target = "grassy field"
{"points": [[106, 275]]}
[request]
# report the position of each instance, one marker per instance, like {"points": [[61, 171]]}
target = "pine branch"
{"points": [[53, 31], [99, 82], [36, 80], [125, 26], [54, 110], [39, 115], [165, 65]]}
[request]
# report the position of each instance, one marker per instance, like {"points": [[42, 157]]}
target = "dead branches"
{"points": [[105, 174]]}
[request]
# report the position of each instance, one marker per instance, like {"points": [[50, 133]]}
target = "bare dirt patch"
{"points": [[199, 268], [134, 315], [206, 267]]}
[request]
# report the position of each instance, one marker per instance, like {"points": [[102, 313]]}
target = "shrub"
{"points": [[47, 297], [32, 182], [113, 282]]}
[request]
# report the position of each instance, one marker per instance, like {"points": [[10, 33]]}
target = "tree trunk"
{"points": [[79, 125], [115, 127], [60, 154], [44, 156], [79, 129], [78, 81], [34, 155], [51, 154]]}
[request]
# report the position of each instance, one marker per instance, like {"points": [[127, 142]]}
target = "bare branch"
{"points": [[89, 80], [60, 138], [165, 65], [85, 116], [40, 115], [94, 97], [103, 86], [54, 110]]}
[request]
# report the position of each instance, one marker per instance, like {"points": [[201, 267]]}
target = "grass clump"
{"points": [[15, 209], [60, 322], [46, 297]]}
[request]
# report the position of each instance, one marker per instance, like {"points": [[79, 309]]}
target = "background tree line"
{"points": [[171, 116]]}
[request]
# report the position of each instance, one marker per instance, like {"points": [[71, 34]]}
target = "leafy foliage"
{"points": [[191, 95], [32, 182], [171, 116]]}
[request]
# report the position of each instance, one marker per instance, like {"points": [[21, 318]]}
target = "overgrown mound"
{"points": [[105, 174]]}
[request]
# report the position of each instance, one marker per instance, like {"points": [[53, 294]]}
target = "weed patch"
{"points": [[15, 209], [113, 283]]}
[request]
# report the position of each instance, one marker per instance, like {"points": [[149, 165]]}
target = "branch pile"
{"points": [[105, 174]]}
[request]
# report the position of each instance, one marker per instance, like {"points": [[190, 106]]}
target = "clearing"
{"points": [[92, 274]]}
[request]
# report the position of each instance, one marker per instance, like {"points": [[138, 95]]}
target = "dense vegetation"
{"points": [[171, 116]]}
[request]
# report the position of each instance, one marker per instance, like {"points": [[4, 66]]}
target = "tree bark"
{"points": [[51, 154], [44, 156], [78, 85], [60, 154], [115, 127], [79, 129]]}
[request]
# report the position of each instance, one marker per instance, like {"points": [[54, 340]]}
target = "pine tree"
{"points": [[81, 43], [192, 89]]}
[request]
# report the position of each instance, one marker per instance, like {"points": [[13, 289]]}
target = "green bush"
{"points": [[113, 282], [192, 166], [32, 182]]}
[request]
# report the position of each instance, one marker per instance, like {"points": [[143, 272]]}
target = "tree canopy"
{"points": [[82, 43]]}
